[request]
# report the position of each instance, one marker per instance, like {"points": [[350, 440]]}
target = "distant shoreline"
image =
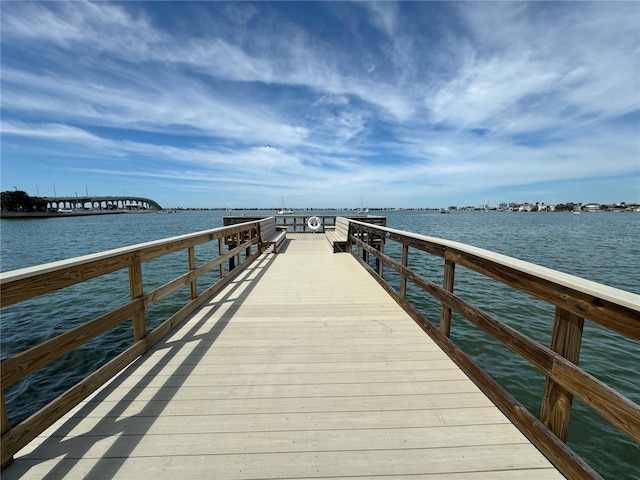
{"points": [[300, 211], [76, 213]]}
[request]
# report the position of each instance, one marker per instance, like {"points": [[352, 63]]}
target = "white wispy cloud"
{"points": [[49, 131]]}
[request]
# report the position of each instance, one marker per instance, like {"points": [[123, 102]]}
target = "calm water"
{"points": [[603, 247]]}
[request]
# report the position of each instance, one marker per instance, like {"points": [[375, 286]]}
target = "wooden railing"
{"points": [[574, 299], [21, 285], [299, 223]]}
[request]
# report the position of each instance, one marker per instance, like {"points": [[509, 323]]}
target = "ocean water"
{"points": [[603, 247]]}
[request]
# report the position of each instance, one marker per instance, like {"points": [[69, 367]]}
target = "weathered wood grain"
{"points": [[616, 408], [566, 340], [17, 367], [447, 284], [610, 307], [136, 289]]}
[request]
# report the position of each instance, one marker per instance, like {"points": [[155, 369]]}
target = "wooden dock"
{"points": [[302, 367]]}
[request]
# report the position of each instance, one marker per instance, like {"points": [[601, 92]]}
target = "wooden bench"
{"points": [[337, 238], [269, 235]]}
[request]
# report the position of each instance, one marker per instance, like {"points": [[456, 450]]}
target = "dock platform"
{"points": [[302, 367]]}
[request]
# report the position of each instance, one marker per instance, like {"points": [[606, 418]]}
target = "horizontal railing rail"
{"points": [[575, 300], [27, 283]]}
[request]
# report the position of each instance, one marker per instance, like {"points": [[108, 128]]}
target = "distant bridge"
{"points": [[101, 203]]}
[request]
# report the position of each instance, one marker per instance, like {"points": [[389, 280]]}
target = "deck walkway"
{"points": [[302, 368]]}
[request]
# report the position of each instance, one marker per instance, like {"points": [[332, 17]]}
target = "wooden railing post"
{"points": [[367, 241], [4, 426], [232, 245], [192, 266], [447, 284], [220, 250], [248, 235], [403, 278], [566, 340], [379, 263], [136, 289], [238, 258]]}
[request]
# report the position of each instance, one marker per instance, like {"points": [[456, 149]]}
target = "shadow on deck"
{"points": [[302, 367]]}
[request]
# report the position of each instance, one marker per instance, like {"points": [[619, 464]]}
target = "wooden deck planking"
{"points": [[311, 371]]}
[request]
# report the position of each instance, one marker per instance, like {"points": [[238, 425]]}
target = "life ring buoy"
{"points": [[314, 223]]}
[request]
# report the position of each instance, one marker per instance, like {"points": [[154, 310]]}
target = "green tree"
{"points": [[39, 204], [19, 201]]}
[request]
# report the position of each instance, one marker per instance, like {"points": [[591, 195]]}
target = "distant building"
{"points": [[591, 207]]}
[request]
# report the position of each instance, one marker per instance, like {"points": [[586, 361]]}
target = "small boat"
{"points": [[362, 209], [445, 210], [283, 210]]}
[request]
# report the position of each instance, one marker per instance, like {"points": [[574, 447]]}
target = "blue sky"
{"points": [[416, 104]]}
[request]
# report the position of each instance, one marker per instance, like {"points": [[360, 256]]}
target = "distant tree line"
{"points": [[19, 201], [566, 206]]}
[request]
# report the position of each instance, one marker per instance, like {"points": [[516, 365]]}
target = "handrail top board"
{"points": [[22, 273], [611, 294]]}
